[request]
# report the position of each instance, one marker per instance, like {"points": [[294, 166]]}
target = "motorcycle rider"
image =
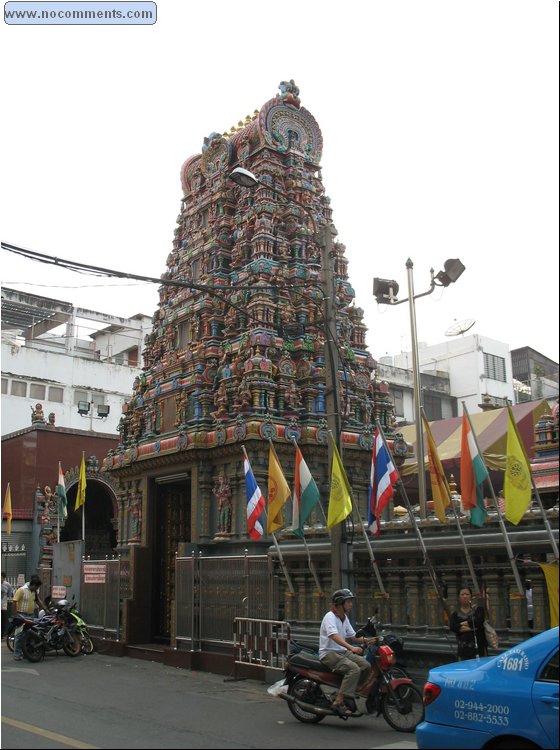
{"points": [[338, 654]]}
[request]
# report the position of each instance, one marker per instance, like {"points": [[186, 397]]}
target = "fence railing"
{"points": [[264, 643]]}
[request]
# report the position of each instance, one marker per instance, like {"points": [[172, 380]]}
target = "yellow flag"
{"points": [[81, 496], [517, 480], [8, 510], [441, 494], [278, 493], [340, 500], [551, 575]]}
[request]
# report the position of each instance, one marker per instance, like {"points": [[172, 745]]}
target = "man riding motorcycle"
{"points": [[338, 654]]}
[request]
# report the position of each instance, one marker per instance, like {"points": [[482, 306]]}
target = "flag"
{"points": [[441, 494], [8, 510], [340, 500], [383, 476], [255, 502], [278, 493], [550, 571], [473, 475], [517, 480], [305, 497], [61, 492], [81, 496]]}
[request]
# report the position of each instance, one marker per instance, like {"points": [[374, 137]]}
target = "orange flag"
{"points": [[8, 510]]}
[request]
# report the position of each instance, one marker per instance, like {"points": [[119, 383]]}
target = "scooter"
{"points": [[310, 689], [51, 632]]}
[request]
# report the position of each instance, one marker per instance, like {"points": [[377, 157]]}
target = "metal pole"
{"points": [[339, 545], [422, 497]]}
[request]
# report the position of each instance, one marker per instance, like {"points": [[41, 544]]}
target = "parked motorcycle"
{"points": [[52, 632], [81, 629], [310, 689], [17, 621]]}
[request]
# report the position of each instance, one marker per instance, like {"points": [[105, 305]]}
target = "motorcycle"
{"points": [[310, 689], [369, 630], [52, 632], [18, 620], [81, 629]]}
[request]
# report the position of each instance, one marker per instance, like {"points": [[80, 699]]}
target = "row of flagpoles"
{"points": [[62, 502], [518, 488]]}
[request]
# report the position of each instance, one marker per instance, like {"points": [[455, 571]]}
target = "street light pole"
{"points": [[422, 495], [385, 292]]}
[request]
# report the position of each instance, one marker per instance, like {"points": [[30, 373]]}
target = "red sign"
{"points": [[94, 573]]}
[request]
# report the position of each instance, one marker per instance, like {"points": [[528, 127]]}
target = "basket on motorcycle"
{"points": [[396, 643], [386, 656]]}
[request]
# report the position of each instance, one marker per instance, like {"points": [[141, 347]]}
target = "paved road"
{"points": [[102, 701]]}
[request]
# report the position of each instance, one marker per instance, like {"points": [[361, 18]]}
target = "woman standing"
{"points": [[467, 622]]}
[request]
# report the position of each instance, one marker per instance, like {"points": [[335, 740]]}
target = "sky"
{"points": [[440, 130]]}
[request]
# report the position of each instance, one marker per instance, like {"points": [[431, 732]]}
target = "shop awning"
{"points": [[490, 428]]}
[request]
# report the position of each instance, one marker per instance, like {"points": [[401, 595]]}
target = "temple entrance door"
{"points": [[172, 524]]}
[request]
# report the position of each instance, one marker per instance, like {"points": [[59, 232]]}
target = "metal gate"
{"points": [[100, 597], [212, 592]]}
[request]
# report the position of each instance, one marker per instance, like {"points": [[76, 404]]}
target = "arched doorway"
{"points": [[100, 534]]}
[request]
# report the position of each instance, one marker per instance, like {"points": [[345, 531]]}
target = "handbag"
{"points": [[491, 635]]}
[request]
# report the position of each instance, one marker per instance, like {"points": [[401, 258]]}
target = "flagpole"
{"points": [[537, 496], [370, 548], [461, 536], [278, 550], [57, 518], [500, 517], [404, 494]]}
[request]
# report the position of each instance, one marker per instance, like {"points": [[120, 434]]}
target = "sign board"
{"points": [[94, 572], [58, 592]]}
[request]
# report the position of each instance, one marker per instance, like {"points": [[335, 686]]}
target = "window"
{"points": [[494, 367], [56, 394], [80, 396], [550, 672], [37, 391], [4, 385], [432, 407], [398, 400], [185, 334], [97, 398], [19, 388]]}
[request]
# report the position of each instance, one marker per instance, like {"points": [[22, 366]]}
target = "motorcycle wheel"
{"points": [[87, 644], [10, 637], [33, 646], [72, 645], [403, 708], [307, 692]]}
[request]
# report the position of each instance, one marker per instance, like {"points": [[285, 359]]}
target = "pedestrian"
{"points": [[467, 622], [529, 599], [26, 600], [340, 656], [7, 594]]}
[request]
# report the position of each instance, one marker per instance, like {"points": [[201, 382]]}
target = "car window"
{"points": [[550, 670]]}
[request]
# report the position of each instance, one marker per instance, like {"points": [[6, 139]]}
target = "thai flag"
{"points": [[382, 478], [255, 502]]}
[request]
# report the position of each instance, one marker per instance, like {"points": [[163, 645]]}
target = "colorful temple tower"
{"points": [[237, 352]]}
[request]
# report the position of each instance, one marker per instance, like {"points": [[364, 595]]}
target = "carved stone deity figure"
{"points": [[37, 414], [222, 493]]}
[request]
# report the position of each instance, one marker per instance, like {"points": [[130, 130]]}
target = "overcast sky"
{"points": [[440, 128]]}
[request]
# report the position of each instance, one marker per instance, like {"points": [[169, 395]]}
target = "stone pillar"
{"points": [[541, 606]]}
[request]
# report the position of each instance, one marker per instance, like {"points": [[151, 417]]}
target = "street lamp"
{"points": [[385, 292], [340, 547]]}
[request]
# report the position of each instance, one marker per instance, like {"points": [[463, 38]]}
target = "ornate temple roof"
{"points": [[238, 348]]}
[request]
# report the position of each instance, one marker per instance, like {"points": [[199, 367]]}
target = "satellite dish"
{"points": [[460, 327]]}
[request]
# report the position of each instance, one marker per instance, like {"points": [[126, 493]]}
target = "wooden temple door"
{"points": [[173, 514]]}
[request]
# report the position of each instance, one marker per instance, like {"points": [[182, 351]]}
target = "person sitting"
{"points": [[338, 654]]}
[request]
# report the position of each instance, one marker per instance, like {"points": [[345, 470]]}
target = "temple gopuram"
{"points": [[257, 340], [237, 357]]}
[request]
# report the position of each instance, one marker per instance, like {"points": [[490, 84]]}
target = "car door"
{"points": [[545, 699]]}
